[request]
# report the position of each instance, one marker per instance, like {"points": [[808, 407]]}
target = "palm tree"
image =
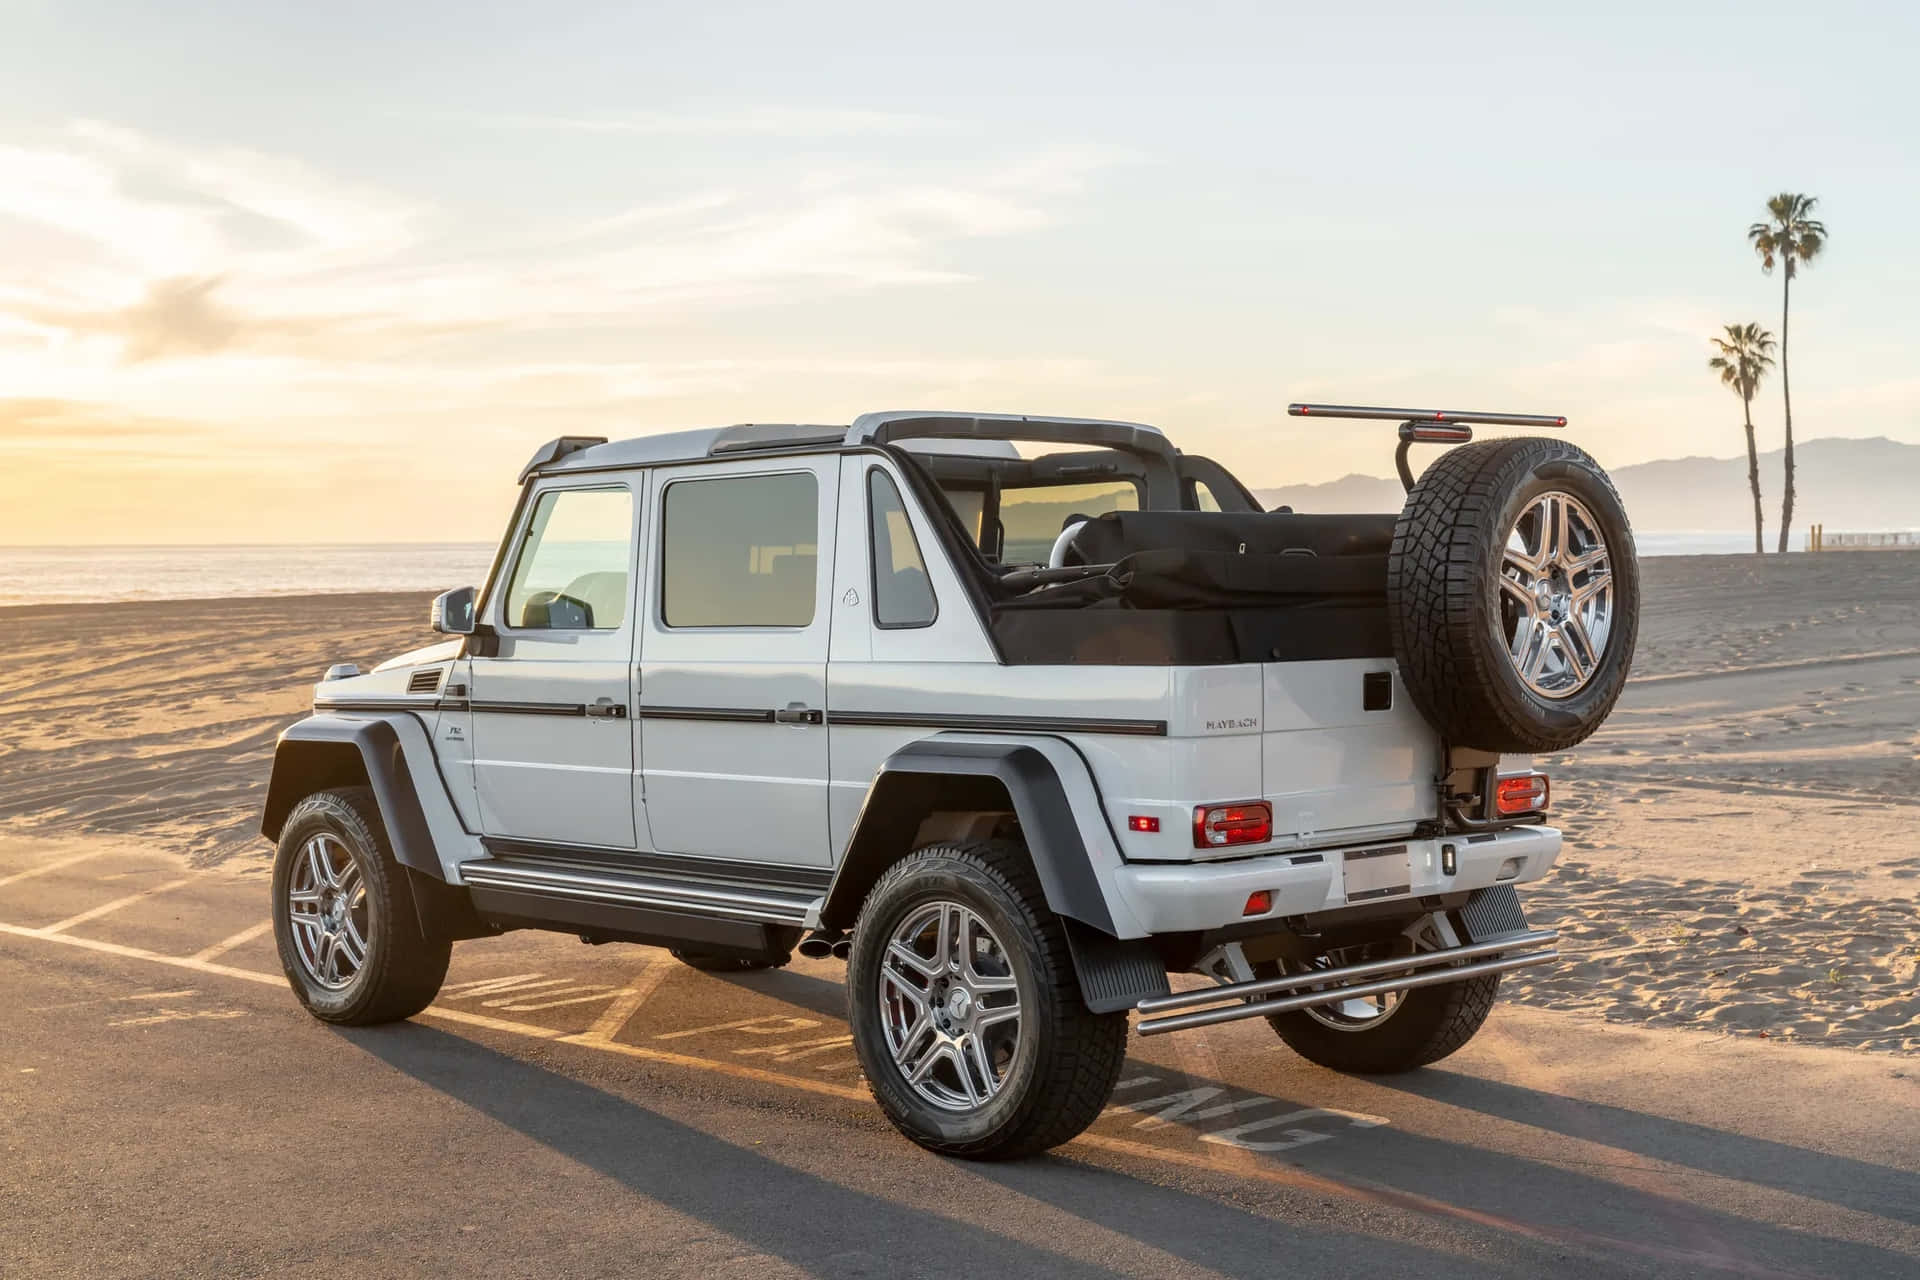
{"points": [[1790, 238], [1746, 353]]}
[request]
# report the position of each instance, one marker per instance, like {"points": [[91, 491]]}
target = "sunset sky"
{"points": [[330, 272]]}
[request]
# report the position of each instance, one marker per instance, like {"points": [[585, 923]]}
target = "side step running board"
{"points": [[732, 901], [1426, 969]]}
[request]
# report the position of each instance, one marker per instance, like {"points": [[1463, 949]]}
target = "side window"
{"points": [[902, 592], [740, 551], [1032, 518], [571, 570], [970, 505], [1203, 497]]}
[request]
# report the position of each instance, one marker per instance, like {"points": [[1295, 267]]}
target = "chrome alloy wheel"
{"points": [[327, 910], [1362, 1013], [949, 1005], [1556, 595]]}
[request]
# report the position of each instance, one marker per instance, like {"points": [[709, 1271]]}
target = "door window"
{"points": [[740, 551], [902, 592], [571, 570]]}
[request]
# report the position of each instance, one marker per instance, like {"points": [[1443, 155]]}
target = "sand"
{"points": [[1742, 856]]}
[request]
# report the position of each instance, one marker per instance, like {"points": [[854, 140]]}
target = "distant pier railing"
{"points": [[1818, 539]]}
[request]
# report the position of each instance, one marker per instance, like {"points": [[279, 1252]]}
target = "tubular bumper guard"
{"points": [[1330, 986]]}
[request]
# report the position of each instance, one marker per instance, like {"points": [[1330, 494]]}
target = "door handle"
{"points": [[798, 713], [606, 709]]}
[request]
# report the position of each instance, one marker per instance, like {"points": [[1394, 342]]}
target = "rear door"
{"points": [[734, 659], [1346, 755], [552, 746]]}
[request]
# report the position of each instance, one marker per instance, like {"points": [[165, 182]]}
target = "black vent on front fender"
{"points": [[425, 680]]}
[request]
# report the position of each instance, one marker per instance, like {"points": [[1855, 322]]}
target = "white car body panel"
{"points": [[554, 777], [738, 789], [1294, 734]]}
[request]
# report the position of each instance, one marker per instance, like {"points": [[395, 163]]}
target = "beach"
{"points": [[1741, 850]]}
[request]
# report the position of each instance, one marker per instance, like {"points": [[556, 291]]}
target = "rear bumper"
{"points": [[1188, 897]]}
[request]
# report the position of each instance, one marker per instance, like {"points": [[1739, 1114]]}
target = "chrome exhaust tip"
{"points": [[815, 946], [843, 948]]}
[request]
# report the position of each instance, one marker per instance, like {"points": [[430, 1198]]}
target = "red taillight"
{"points": [[1224, 824], [1259, 902], [1526, 793], [1141, 822]]}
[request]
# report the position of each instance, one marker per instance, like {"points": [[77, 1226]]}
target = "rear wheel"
{"points": [[966, 1012], [343, 915], [1384, 1034]]}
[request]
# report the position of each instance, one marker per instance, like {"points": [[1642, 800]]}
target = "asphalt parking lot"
{"points": [[565, 1110]]}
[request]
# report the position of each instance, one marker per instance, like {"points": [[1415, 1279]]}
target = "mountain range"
{"points": [[1845, 484]]}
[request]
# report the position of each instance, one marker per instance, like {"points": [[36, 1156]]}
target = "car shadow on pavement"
{"points": [[1619, 1220], [811, 1221], [1838, 1180], [815, 995], [1228, 1240], [1686, 1232]]}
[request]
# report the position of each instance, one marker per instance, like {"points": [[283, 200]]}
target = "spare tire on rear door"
{"points": [[1513, 595]]}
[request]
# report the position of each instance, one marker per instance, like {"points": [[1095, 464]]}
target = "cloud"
{"points": [[118, 200], [185, 252], [753, 122], [70, 424], [175, 317]]}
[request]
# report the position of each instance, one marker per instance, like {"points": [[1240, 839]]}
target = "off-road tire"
{"points": [[1429, 1024], [404, 968], [1068, 1057], [710, 963], [1443, 595]]}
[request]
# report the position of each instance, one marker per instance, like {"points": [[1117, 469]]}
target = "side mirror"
{"points": [[452, 613]]}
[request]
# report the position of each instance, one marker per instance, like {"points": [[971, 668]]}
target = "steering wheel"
{"points": [[1057, 558]]}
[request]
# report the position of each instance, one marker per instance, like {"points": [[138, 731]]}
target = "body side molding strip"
{"points": [[708, 898], [779, 876], [570, 709]]}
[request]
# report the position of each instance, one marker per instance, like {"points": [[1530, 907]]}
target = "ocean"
{"points": [[69, 575]]}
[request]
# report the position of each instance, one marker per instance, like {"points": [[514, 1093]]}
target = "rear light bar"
{"points": [[1215, 826], [1521, 793], [1425, 426]]}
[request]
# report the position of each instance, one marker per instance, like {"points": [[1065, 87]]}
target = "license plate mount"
{"points": [[1378, 873]]}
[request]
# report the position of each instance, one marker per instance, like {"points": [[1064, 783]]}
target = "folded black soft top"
{"points": [[1119, 534]]}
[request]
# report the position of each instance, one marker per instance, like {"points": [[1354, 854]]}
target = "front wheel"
{"points": [[343, 915], [966, 1012]]}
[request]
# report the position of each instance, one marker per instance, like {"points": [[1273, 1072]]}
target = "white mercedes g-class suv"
{"points": [[1016, 732]]}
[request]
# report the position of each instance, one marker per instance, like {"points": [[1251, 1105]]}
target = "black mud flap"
{"points": [[1115, 974]]}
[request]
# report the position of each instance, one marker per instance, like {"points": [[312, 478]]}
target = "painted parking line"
{"points": [[47, 868], [108, 908], [239, 939], [615, 1017], [1241, 1159]]}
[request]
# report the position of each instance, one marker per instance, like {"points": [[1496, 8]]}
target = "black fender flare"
{"points": [[315, 754], [1114, 973]]}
